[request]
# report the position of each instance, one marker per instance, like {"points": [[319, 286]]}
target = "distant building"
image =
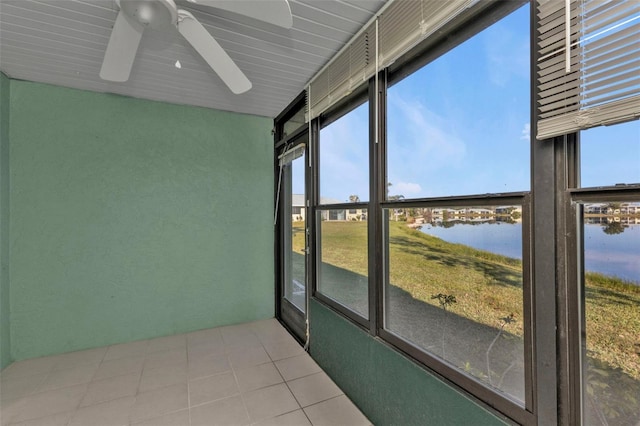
{"points": [[299, 211]]}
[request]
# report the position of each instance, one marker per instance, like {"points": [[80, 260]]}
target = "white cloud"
{"points": [[423, 146], [407, 188], [526, 132]]}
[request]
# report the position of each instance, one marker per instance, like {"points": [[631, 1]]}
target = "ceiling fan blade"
{"points": [[212, 52], [276, 12], [122, 48]]}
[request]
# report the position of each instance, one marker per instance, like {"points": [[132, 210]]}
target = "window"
{"points": [[455, 288], [508, 266], [342, 230], [610, 155], [344, 158], [343, 261], [294, 123], [611, 304], [456, 129], [456, 281]]}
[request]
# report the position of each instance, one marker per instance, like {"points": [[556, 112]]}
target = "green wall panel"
{"points": [[133, 219], [5, 342], [388, 388]]}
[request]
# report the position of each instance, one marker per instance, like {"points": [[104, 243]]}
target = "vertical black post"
{"points": [[543, 188]]}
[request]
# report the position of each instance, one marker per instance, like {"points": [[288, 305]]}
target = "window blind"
{"points": [[405, 23], [352, 67], [602, 84], [289, 155], [399, 26]]}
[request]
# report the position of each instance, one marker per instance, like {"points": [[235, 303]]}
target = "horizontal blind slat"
{"points": [[603, 86]]}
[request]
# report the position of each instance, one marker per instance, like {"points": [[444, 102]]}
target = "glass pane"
{"points": [[343, 268], [294, 289], [610, 155], [294, 123], [344, 158], [454, 288], [612, 313], [456, 129]]}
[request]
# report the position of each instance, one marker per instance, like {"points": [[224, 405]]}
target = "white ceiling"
{"points": [[62, 42]]}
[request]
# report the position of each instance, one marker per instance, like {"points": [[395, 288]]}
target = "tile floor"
{"points": [[249, 374]]}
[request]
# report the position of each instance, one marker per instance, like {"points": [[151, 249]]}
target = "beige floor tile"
{"points": [[162, 377], [297, 366], [29, 367], [158, 402], [204, 350], [240, 335], [78, 358], [312, 389], [119, 367], [336, 411], [111, 388], [269, 402], [168, 358], [224, 412], [60, 419], [209, 366], [285, 348], [178, 341], [233, 331], [248, 357], [177, 418], [69, 377], [10, 409], [20, 386], [239, 341], [51, 402], [263, 326], [111, 413], [211, 388], [269, 331], [125, 350], [259, 376], [295, 418], [209, 336]]}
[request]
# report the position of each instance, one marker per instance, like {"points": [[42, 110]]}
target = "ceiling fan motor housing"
{"points": [[151, 13]]}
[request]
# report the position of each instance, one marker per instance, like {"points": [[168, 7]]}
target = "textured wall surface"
{"points": [[387, 387], [5, 353], [133, 219]]}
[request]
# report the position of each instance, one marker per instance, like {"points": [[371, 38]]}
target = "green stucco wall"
{"points": [[386, 386], [132, 219], [5, 342]]}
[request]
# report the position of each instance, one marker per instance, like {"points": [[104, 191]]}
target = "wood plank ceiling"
{"points": [[62, 42]]}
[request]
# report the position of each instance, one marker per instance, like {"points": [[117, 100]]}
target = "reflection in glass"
{"points": [[610, 155], [344, 158], [343, 268], [294, 123], [455, 129], [454, 288], [294, 288], [611, 366]]}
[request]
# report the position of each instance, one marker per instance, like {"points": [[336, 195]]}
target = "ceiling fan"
{"points": [[136, 15]]}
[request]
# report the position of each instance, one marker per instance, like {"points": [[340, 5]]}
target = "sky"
{"points": [[461, 126]]}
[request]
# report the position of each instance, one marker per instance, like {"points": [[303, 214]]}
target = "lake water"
{"points": [[610, 254]]}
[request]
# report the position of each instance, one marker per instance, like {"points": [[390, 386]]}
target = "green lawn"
{"points": [[487, 287]]}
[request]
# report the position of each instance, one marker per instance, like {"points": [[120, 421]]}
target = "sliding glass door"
{"points": [[292, 219]]}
